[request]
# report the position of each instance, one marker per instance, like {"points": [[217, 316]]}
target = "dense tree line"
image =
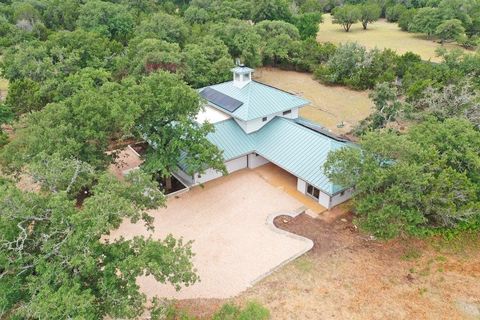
{"points": [[425, 179]]}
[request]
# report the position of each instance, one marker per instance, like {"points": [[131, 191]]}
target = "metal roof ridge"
{"points": [[273, 87]]}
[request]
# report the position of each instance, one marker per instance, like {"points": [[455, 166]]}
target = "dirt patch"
{"points": [[347, 275], [329, 107], [382, 34]]}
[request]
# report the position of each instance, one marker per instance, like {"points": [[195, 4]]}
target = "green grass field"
{"points": [[381, 34]]}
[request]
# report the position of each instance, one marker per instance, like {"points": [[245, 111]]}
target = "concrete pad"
{"points": [[127, 160], [235, 242], [287, 182]]}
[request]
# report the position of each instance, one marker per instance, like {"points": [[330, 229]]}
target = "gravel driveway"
{"points": [[235, 242]]}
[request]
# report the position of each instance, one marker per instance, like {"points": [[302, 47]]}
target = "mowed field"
{"points": [[381, 34], [330, 105]]}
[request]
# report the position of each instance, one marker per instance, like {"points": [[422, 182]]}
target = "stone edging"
{"points": [[272, 227]]}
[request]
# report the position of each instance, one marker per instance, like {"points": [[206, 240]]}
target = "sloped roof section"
{"points": [[259, 100], [297, 149], [230, 138]]}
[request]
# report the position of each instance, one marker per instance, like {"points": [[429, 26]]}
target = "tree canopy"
{"points": [[346, 16], [412, 184]]}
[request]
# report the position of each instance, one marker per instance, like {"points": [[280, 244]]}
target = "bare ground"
{"points": [[347, 275], [330, 105]]}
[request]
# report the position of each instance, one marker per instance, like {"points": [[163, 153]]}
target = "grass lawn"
{"points": [[329, 105], [381, 34]]}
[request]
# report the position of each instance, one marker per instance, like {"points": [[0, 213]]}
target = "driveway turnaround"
{"points": [[235, 242]]}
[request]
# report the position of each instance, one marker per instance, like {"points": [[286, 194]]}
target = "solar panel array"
{"points": [[220, 99]]}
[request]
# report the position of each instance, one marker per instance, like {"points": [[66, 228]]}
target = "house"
{"points": [[256, 124]]}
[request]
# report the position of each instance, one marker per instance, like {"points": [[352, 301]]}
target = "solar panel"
{"points": [[220, 99]]}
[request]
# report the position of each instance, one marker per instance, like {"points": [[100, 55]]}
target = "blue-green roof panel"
{"points": [[230, 138], [298, 150], [259, 100]]}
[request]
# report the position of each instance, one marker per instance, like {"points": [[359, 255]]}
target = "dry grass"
{"points": [[3, 88], [349, 276], [381, 34], [3, 85], [329, 105]]}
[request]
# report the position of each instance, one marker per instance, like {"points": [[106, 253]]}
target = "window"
{"points": [[237, 77], [287, 112], [313, 192], [264, 119]]}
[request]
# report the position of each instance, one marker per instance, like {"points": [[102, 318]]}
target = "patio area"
{"points": [[231, 222]]}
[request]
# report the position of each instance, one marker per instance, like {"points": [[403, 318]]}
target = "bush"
{"points": [[253, 311], [393, 13], [406, 18], [354, 66]]}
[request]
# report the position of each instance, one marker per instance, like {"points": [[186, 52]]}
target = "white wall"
{"points": [[236, 164], [185, 177], [255, 160], [324, 200], [232, 166], [208, 175], [256, 124], [301, 186], [339, 198]]}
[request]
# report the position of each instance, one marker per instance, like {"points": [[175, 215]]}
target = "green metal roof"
{"points": [[230, 138], [295, 148], [259, 100]]}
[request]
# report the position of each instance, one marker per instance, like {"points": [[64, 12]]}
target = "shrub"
{"points": [[252, 311], [406, 18], [393, 13]]}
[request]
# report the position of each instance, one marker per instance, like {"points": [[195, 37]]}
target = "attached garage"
{"points": [[231, 165]]}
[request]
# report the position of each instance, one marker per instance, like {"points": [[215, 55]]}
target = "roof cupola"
{"points": [[241, 75]]}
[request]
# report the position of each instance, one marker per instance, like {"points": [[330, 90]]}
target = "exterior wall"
{"points": [[189, 180], [339, 198], [324, 200], [256, 124], [255, 160], [236, 164], [301, 186], [208, 175], [232, 166]]}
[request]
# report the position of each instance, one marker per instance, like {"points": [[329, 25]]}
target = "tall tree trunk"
{"points": [[168, 183]]}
